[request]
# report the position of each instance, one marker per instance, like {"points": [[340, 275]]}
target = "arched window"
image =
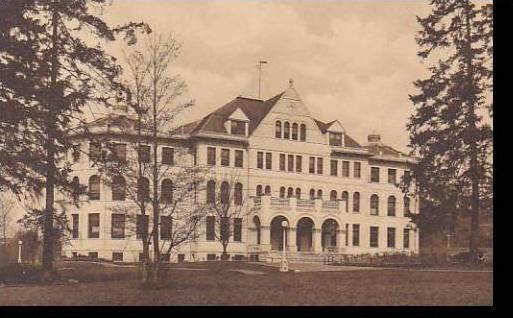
{"points": [[302, 132], [286, 130], [75, 185], [294, 131], [237, 194], [211, 191], [267, 190], [225, 192], [118, 188], [345, 198], [298, 193], [333, 195], [406, 206], [278, 129], [259, 190], [282, 192], [391, 206], [143, 189], [356, 202], [319, 194], [290, 193], [94, 188], [312, 194], [374, 205], [166, 192]]}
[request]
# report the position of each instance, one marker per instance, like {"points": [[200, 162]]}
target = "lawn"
{"points": [[218, 284]]}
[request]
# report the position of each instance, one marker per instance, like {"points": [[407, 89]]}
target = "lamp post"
{"points": [[19, 251], [284, 264]]}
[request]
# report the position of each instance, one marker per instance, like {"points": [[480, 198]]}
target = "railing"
{"points": [[282, 202], [294, 204], [257, 201], [330, 205], [306, 204]]}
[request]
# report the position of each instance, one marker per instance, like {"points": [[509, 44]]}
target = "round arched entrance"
{"points": [[277, 233], [304, 234], [329, 234], [256, 224]]}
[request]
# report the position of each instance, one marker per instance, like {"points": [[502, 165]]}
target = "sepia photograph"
{"points": [[246, 153]]}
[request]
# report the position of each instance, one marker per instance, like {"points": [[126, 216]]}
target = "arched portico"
{"points": [[277, 233], [329, 232], [257, 232], [304, 234]]}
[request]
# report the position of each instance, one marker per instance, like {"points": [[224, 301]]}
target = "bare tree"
{"points": [[6, 205]]}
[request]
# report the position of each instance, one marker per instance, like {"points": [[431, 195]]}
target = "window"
{"points": [[166, 192], [406, 238], [335, 139], [94, 188], [319, 166], [166, 227], [286, 131], [211, 156], [407, 176], [374, 236], [225, 228], [144, 153], [290, 193], [259, 190], [141, 225], [374, 174], [357, 170], [356, 202], [312, 194], [237, 194], [120, 152], [75, 153], [391, 176], [282, 162], [95, 151], [299, 163], [391, 206], [238, 127], [347, 234], [94, 225], [260, 160], [237, 230], [345, 198], [211, 228], [239, 158], [298, 193], [311, 165], [319, 194], [356, 234], [75, 225], [277, 131], [143, 189], [345, 169], [290, 163], [225, 157], [211, 191], [118, 188], [267, 190], [118, 226], [225, 192], [282, 192], [302, 132], [333, 195], [211, 257], [391, 237], [168, 156], [374, 205], [75, 186], [294, 131], [406, 206], [181, 258], [93, 255], [117, 256], [268, 160], [334, 167]]}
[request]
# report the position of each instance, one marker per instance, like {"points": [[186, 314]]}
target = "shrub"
{"points": [[21, 274]]}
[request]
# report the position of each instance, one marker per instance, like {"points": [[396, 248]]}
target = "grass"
{"points": [[219, 285]]}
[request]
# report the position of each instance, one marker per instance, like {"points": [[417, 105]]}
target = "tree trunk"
{"points": [[156, 207]]}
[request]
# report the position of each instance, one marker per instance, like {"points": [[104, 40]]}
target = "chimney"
{"points": [[374, 138]]}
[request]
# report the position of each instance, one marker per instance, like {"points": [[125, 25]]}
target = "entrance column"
{"points": [[265, 237], [317, 240], [291, 239]]}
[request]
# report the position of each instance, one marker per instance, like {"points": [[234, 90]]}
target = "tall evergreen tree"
{"points": [[52, 65], [447, 130]]}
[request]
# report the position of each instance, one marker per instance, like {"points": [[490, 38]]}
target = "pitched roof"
{"points": [[348, 140], [384, 150]]}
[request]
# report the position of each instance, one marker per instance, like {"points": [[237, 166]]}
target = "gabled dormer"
{"points": [[237, 123], [336, 134]]}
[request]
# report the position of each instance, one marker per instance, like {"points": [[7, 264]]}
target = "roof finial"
{"points": [[291, 83]]}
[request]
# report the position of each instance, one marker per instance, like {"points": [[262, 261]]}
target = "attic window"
{"points": [[336, 139], [238, 127]]}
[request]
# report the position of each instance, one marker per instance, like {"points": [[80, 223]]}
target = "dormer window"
{"points": [[238, 127], [335, 139]]}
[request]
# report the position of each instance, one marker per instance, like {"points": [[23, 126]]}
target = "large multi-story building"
{"points": [[337, 195]]}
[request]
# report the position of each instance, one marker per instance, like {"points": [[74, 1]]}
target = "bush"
{"points": [[21, 274]]}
